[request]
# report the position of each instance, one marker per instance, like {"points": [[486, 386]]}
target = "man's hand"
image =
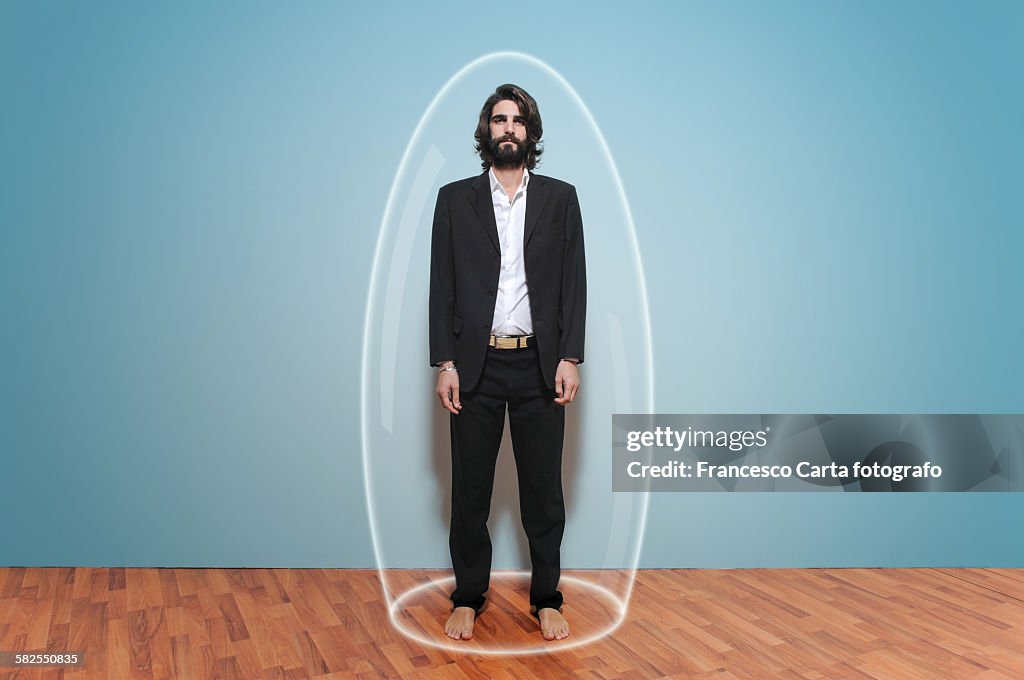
{"points": [[567, 382], [448, 390]]}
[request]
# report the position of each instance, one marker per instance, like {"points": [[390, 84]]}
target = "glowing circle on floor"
{"points": [[586, 603]]}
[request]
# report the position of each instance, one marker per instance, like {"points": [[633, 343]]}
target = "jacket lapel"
{"points": [[484, 208], [536, 195]]}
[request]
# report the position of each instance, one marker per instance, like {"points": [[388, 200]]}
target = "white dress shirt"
{"points": [[512, 303]]}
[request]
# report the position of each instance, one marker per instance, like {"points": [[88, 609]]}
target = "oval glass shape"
{"points": [[405, 433]]}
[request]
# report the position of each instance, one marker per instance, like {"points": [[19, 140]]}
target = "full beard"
{"points": [[508, 157]]}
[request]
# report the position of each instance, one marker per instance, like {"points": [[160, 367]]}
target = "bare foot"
{"points": [[553, 625], [460, 623]]}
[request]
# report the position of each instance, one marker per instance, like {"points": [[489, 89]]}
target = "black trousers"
{"points": [[510, 377]]}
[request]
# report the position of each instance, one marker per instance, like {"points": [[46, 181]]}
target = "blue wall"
{"points": [[826, 199]]}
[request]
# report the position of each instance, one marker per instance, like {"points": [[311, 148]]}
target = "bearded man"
{"points": [[507, 316]]}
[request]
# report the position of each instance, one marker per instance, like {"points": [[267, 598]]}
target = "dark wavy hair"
{"points": [[527, 108]]}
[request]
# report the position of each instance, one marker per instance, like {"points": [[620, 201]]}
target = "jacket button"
{"points": [[483, 326], [490, 291]]}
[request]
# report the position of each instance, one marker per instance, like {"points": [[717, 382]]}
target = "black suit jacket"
{"points": [[465, 259]]}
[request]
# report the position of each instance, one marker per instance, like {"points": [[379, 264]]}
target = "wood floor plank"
{"points": [[161, 659]]}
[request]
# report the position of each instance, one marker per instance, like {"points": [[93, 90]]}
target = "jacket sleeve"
{"points": [[572, 311], [442, 285]]}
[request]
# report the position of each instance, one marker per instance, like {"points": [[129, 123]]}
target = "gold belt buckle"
{"points": [[517, 342]]}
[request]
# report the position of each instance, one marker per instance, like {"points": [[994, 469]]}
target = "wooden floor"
{"points": [[799, 624]]}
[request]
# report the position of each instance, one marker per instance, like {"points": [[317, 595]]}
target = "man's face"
{"points": [[508, 135]]}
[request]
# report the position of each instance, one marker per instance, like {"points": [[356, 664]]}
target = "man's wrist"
{"points": [[571, 360]]}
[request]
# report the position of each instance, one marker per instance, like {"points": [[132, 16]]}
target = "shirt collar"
{"points": [[496, 185]]}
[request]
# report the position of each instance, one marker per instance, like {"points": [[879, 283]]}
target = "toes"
{"points": [[459, 626], [456, 633], [554, 627]]}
